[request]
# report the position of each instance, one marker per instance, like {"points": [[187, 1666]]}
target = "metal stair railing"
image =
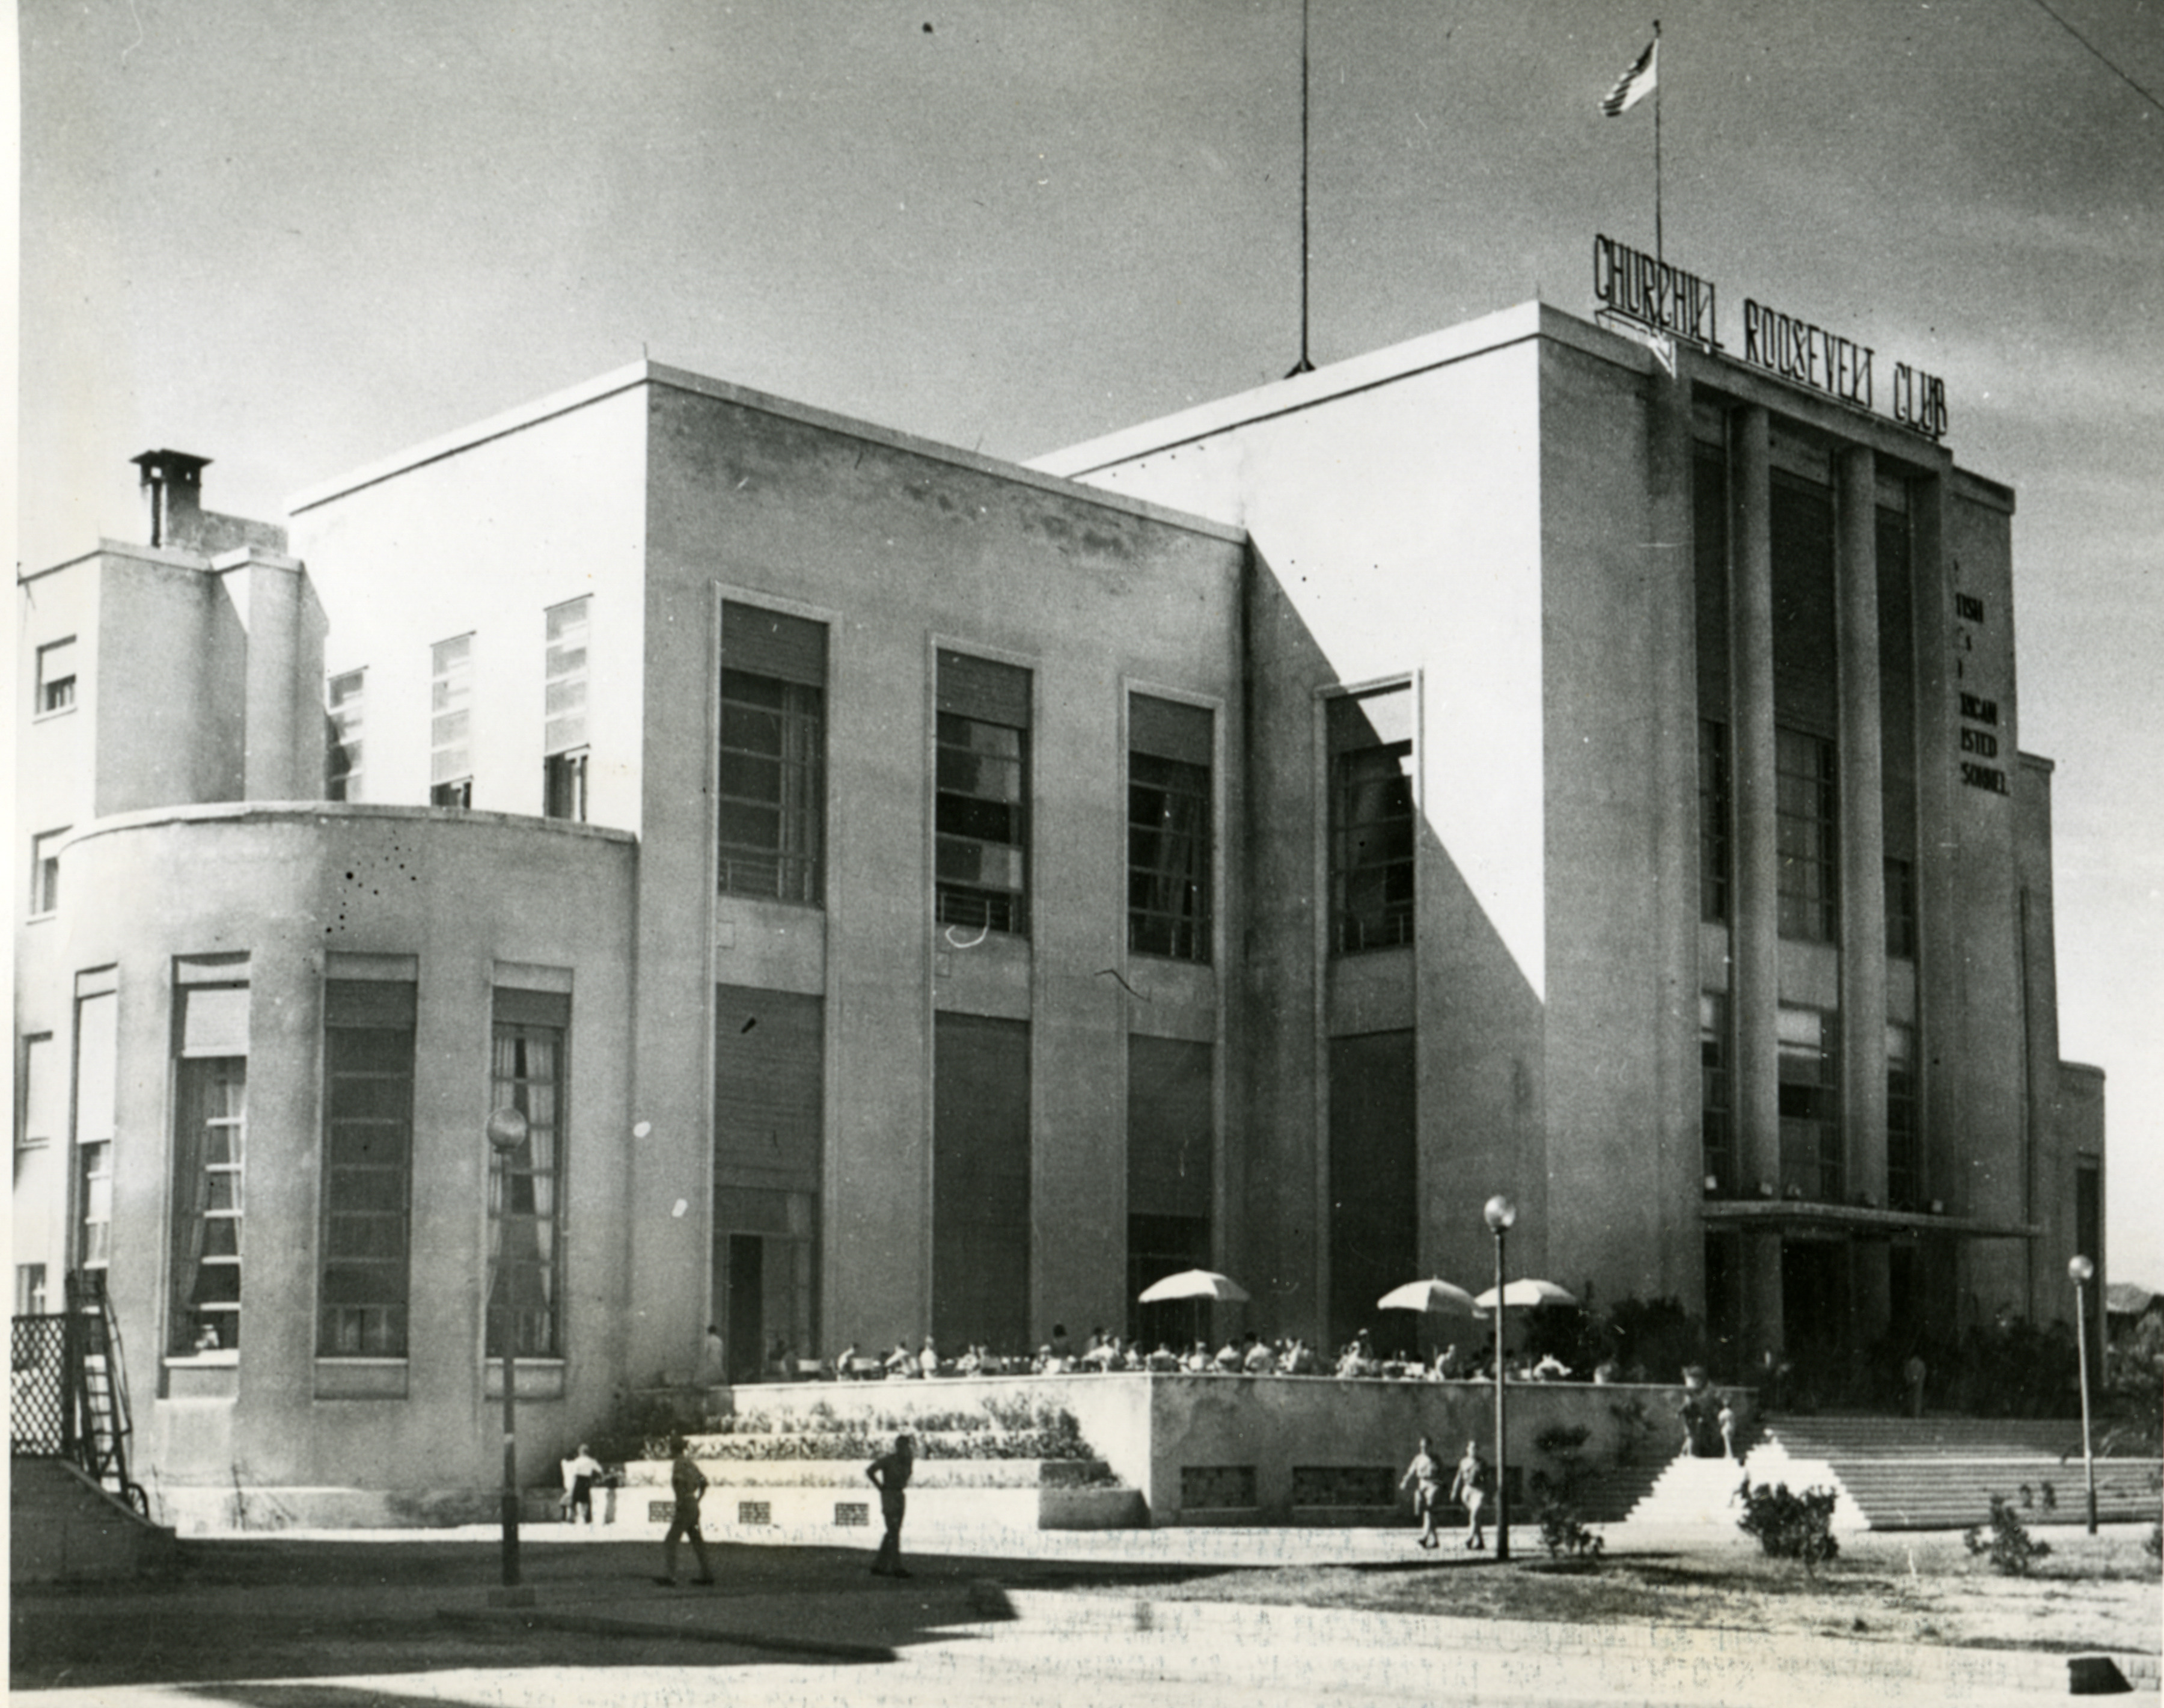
{"points": [[99, 1385]]}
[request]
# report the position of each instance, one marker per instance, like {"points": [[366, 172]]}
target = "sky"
{"points": [[296, 235]]}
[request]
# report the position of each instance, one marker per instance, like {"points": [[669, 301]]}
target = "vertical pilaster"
{"points": [[1938, 955], [1672, 613], [1755, 975], [1862, 871]]}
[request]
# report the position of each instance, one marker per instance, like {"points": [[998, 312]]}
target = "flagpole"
{"points": [[1659, 247], [1304, 366]]}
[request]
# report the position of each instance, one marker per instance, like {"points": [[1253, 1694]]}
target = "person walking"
{"points": [[1426, 1476], [889, 1474], [1469, 1487], [689, 1483]]}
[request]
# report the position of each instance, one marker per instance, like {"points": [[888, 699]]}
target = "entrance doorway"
{"points": [[1815, 1312]]}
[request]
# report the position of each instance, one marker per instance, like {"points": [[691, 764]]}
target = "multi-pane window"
{"points": [[209, 1166], [97, 1063], [45, 1106], [1904, 1136], [1168, 818], [367, 1169], [55, 690], [1811, 1149], [564, 728], [46, 871], [1805, 785], [30, 1290], [1714, 820], [1371, 819], [345, 700], [450, 721], [525, 1184], [1716, 1090], [981, 804], [1900, 910], [772, 783]]}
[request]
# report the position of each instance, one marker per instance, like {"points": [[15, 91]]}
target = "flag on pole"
{"points": [[1635, 84]]}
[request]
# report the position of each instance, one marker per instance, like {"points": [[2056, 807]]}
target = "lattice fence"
{"points": [[40, 1416]]}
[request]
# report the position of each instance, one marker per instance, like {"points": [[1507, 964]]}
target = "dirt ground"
{"points": [[2098, 1592]]}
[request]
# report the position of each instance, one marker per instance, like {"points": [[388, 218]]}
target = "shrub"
{"points": [[1634, 1427], [1789, 1527], [2011, 1549], [1562, 1533]]}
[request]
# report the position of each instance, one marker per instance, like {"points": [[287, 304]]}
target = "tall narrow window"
{"points": [[1811, 1150], [210, 1134], [56, 691], [450, 721], [45, 872], [1371, 819], [96, 1065], [1712, 820], [1168, 820], [1171, 1171], [982, 790], [1374, 1216], [1716, 1091], [1904, 1138], [45, 1101], [525, 1192], [367, 1169], [772, 784], [345, 700], [563, 730], [1805, 784], [980, 1181], [1900, 910]]}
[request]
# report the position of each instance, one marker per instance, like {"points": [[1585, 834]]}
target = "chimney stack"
{"points": [[172, 481]]}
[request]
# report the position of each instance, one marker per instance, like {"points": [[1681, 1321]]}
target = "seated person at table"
{"points": [[1164, 1359], [1258, 1360]]}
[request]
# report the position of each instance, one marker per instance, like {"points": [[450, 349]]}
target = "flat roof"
{"points": [[652, 373]]}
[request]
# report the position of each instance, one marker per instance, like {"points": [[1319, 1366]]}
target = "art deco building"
{"points": [[908, 892]]}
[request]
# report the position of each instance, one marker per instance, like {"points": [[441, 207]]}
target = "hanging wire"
{"points": [[2103, 58]]}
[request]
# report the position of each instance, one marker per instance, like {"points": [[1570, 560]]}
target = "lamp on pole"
{"points": [[1500, 1213], [2079, 1271], [507, 1135]]}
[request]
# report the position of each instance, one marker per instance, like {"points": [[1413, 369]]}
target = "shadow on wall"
{"points": [[1432, 1057]]}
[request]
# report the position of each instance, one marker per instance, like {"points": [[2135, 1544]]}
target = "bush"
{"points": [[1562, 1532], [1789, 1527], [2012, 1550]]}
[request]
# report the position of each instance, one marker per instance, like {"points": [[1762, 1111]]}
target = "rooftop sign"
{"points": [[1668, 303]]}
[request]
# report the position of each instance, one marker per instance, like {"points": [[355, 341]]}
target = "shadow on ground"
{"points": [[250, 1608]]}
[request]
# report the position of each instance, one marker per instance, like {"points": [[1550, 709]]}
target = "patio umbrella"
{"points": [[1194, 1284], [1524, 1294], [1429, 1296]]}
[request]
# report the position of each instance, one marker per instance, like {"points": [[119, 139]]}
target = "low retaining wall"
{"points": [[1212, 1449]]}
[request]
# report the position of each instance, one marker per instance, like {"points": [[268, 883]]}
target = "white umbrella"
{"points": [[1524, 1294], [1194, 1284], [1429, 1296]]}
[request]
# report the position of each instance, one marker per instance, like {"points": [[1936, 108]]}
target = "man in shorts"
{"points": [[1426, 1476], [1470, 1486]]}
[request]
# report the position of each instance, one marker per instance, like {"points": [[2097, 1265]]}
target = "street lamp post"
{"points": [[2079, 1271], [507, 1133], [1500, 1213]]}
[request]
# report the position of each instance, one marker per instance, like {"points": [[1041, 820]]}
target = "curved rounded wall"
{"points": [[458, 906]]}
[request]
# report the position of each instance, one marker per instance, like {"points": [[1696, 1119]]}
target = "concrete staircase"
{"points": [[1692, 1492], [1903, 1473], [1940, 1473]]}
